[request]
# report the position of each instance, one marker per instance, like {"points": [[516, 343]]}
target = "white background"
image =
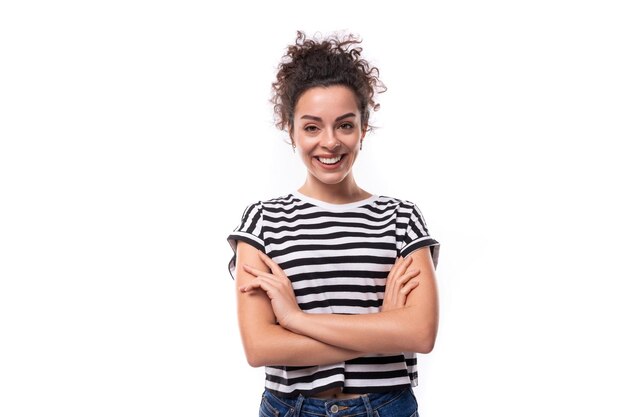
{"points": [[133, 134]]}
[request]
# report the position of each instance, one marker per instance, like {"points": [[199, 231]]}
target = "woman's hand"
{"points": [[400, 282], [277, 286]]}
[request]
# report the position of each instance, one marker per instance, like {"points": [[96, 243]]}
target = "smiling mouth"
{"points": [[330, 161]]}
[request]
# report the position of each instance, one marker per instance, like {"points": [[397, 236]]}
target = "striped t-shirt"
{"points": [[337, 257]]}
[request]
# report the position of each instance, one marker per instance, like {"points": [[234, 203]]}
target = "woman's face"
{"points": [[327, 132]]}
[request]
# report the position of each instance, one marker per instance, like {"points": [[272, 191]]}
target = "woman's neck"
{"points": [[347, 191]]}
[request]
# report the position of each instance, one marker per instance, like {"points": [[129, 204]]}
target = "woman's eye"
{"points": [[346, 126], [310, 128]]}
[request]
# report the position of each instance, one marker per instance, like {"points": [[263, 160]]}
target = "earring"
{"points": [[293, 146], [361, 147]]}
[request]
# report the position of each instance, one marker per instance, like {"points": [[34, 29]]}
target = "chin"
{"points": [[330, 180]]}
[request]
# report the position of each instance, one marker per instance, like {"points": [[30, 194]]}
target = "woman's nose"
{"points": [[330, 140]]}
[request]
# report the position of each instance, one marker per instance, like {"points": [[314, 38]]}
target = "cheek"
{"points": [[304, 154], [306, 145]]}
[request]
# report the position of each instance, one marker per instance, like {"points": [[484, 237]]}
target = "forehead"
{"points": [[327, 101]]}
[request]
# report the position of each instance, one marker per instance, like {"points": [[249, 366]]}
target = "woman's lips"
{"points": [[329, 166]]}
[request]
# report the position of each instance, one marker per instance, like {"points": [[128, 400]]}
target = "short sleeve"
{"points": [[250, 230], [414, 233]]}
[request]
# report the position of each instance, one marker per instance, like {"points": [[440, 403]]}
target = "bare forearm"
{"points": [[276, 345], [386, 332], [412, 328], [264, 341]]}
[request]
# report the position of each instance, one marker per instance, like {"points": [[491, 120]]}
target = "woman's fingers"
{"points": [[403, 266], [401, 280], [262, 282], [277, 270], [410, 286], [394, 268], [411, 273], [277, 288], [397, 268], [252, 270], [389, 298], [407, 283], [397, 271], [405, 290], [257, 272]]}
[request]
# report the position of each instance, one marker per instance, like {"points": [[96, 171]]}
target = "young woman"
{"points": [[336, 285]]}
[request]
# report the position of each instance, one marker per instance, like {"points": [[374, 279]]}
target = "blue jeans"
{"points": [[400, 403]]}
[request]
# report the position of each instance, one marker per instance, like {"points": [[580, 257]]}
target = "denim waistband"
{"points": [[359, 407]]}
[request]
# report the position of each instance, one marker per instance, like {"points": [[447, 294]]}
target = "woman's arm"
{"points": [[412, 328], [267, 343]]}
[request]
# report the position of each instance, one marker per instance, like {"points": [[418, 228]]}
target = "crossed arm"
{"points": [[275, 331]]}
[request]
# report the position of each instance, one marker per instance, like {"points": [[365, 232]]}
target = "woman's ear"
{"points": [[292, 142]]}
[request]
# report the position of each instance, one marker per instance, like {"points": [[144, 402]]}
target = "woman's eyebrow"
{"points": [[345, 116], [319, 119]]}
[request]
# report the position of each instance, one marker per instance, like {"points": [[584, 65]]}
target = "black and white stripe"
{"points": [[337, 257]]}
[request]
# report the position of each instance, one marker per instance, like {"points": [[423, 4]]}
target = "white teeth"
{"points": [[329, 161]]}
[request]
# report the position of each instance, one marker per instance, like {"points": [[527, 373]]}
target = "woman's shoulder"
{"points": [[398, 201], [272, 201], [401, 205]]}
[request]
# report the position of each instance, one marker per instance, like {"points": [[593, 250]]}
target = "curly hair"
{"points": [[311, 63]]}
